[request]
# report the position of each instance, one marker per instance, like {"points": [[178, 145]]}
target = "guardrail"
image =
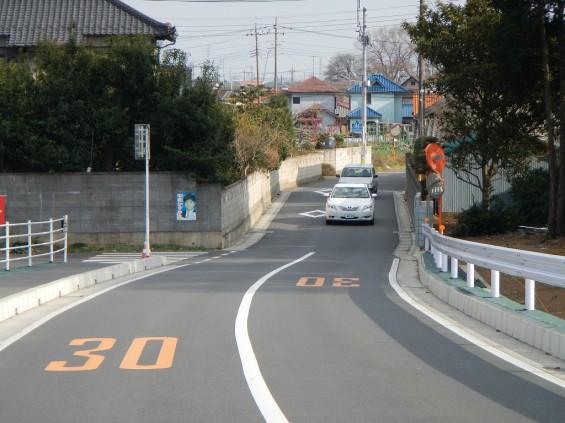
{"points": [[28, 241], [544, 268]]}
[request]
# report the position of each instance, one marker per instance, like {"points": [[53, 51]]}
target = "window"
{"points": [[295, 100], [368, 98], [371, 128]]}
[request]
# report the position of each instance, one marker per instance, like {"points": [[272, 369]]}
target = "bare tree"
{"points": [[344, 67], [392, 54]]}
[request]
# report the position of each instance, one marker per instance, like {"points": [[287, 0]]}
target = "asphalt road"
{"points": [[301, 327]]}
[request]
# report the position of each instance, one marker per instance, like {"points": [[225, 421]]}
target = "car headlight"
{"points": [[367, 207], [331, 206]]}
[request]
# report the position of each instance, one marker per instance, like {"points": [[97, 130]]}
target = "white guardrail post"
{"points": [[531, 266], [29, 244]]}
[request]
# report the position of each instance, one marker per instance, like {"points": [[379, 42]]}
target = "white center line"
{"points": [[263, 398]]}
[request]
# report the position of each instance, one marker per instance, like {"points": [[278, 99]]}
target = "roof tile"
{"points": [[312, 85], [27, 22]]}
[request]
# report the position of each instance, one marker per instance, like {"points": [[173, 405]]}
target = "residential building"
{"points": [[313, 104], [384, 105], [25, 24]]}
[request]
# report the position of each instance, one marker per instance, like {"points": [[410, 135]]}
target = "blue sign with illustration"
{"points": [[356, 126]]}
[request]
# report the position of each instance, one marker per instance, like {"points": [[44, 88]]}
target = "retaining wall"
{"points": [[109, 208]]}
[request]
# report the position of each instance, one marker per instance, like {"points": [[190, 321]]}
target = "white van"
{"points": [[359, 174]]}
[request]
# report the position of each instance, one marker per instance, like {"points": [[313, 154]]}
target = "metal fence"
{"points": [[32, 240], [544, 268]]}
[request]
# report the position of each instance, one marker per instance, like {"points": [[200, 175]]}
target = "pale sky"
{"points": [[310, 32]]}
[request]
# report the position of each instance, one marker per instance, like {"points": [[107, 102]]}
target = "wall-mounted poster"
{"points": [[186, 205]]}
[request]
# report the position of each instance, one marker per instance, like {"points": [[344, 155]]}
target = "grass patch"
{"points": [[387, 156]]}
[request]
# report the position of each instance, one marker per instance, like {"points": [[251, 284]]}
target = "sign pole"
{"points": [[143, 151], [147, 247], [435, 157]]}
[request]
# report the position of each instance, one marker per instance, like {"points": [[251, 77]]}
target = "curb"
{"points": [[18, 303], [536, 329], [517, 322]]}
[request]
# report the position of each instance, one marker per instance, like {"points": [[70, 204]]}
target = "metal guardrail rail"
{"points": [[544, 268], [30, 240]]}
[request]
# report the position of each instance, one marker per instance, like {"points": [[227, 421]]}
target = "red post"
{"points": [[2, 209]]}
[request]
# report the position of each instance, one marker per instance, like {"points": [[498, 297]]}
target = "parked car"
{"points": [[351, 203], [359, 174]]}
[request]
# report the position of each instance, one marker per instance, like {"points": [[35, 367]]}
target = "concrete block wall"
{"points": [[339, 157], [422, 210], [109, 208], [243, 204]]}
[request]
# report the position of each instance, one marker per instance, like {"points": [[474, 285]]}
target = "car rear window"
{"points": [[356, 171]]}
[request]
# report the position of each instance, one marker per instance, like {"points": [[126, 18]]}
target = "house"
{"points": [[433, 107], [411, 85], [313, 104], [25, 24], [384, 105]]}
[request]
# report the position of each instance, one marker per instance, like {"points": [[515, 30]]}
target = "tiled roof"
{"points": [[312, 85], [378, 84], [27, 22], [371, 113]]}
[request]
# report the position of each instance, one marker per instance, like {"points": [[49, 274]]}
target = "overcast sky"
{"points": [[310, 32]]}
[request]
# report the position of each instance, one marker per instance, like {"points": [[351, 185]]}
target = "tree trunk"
{"points": [[488, 171], [560, 213], [551, 220]]}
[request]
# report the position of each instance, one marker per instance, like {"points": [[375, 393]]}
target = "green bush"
{"points": [[419, 154], [476, 221], [530, 197]]}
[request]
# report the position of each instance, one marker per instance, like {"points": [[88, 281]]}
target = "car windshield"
{"points": [[350, 192], [357, 171]]}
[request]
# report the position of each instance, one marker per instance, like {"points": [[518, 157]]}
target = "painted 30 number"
{"points": [[130, 361], [312, 281]]}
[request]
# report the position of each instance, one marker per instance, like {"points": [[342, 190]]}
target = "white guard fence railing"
{"points": [[544, 268], [31, 240]]}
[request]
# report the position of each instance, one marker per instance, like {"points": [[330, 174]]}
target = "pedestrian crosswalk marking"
{"points": [[113, 258]]}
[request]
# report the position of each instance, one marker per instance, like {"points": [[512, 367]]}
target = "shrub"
{"points": [[419, 154], [476, 221], [530, 197], [328, 170]]}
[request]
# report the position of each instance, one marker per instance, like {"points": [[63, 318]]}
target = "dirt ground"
{"points": [[548, 298]]}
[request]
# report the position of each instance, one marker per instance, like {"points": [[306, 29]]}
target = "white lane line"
{"points": [[263, 398], [448, 324]]}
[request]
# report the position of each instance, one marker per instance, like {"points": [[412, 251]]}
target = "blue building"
{"points": [[384, 105]]}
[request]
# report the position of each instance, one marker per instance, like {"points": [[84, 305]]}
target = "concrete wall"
{"points": [[109, 208]]}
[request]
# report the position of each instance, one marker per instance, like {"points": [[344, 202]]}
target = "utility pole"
{"points": [[364, 40], [421, 76], [257, 54], [313, 73], [256, 34], [275, 56]]}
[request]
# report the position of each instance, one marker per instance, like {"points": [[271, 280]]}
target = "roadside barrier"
{"points": [[531, 266], [31, 240]]}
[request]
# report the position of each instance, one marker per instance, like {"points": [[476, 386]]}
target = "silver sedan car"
{"points": [[350, 203]]}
